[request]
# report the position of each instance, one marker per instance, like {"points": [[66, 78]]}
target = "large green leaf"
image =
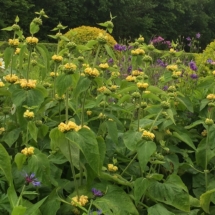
{"points": [[171, 194], [18, 210], [11, 136], [34, 97], [86, 141], [34, 28], [112, 131], [110, 51], [33, 130], [144, 151], [5, 164], [82, 85], [20, 160], [31, 210], [186, 102], [115, 202], [131, 138], [205, 200], [159, 209], [63, 82], [19, 96]]}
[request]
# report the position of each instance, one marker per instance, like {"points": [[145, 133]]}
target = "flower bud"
{"points": [[165, 105], [209, 121], [15, 27], [37, 21]]}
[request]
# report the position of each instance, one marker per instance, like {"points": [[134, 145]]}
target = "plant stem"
{"points": [[96, 57], [129, 164], [67, 106], [29, 59], [20, 196], [82, 111], [206, 160], [155, 120]]}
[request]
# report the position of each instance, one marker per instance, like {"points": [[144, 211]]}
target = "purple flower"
{"points": [[198, 35], [30, 179], [165, 88], [119, 47], [193, 66], [209, 61], [129, 69], [188, 39], [96, 192], [110, 60], [194, 76], [161, 63]]}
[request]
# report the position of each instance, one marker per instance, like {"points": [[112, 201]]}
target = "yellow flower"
{"points": [[63, 127], [81, 201], [172, 67], [92, 73], [102, 116], [168, 132], [2, 84], [172, 51], [2, 129], [130, 78], [60, 98], [89, 112], [137, 52], [148, 135], [28, 114], [136, 72], [113, 88], [17, 51], [142, 85], [57, 58], [102, 39], [70, 68], [103, 66], [13, 42], [27, 84], [211, 96], [204, 133], [53, 74], [112, 168], [140, 39], [31, 41], [28, 151], [213, 72], [11, 78]]}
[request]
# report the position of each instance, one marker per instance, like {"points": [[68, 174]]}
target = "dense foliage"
{"points": [[167, 18]]}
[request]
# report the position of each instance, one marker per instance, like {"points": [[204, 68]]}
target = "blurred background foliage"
{"points": [[170, 19]]}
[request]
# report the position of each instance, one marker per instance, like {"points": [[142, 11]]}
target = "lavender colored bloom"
{"points": [[30, 179], [119, 47], [129, 69], [198, 35], [210, 61], [193, 66], [165, 88], [96, 192], [110, 60], [194, 76], [188, 39], [161, 63]]}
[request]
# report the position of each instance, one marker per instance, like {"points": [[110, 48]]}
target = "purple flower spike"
{"points": [[194, 76], [31, 179], [96, 192], [188, 39]]}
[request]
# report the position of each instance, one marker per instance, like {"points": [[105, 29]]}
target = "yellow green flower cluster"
{"points": [[70, 68], [172, 51], [137, 73], [53, 74], [130, 78], [81, 201], [142, 85], [112, 168], [57, 58], [31, 40], [28, 151], [17, 51], [2, 84], [92, 73], [70, 126], [89, 113], [137, 51], [28, 114], [104, 90], [27, 84], [113, 87], [11, 78], [140, 39], [115, 74], [102, 38], [204, 133], [103, 66], [2, 129], [211, 96], [60, 98], [172, 67], [176, 74], [13, 42], [148, 135]]}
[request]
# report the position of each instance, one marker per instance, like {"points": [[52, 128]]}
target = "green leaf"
{"points": [[7, 28], [140, 188], [194, 124], [63, 82], [112, 131], [170, 114], [18, 210], [159, 209], [17, 19], [12, 196], [34, 28], [115, 201], [185, 138], [64, 38], [110, 51], [7, 56], [102, 150], [145, 150], [34, 97], [5, 164], [170, 194], [20, 160], [11, 136], [82, 85], [31, 210], [19, 96], [205, 200], [131, 138], [204, 103], [33, 130], [186, 102], [86, 141]]}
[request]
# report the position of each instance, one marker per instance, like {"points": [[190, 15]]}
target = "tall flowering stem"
{"points": [[96, 57], [29, 59]]}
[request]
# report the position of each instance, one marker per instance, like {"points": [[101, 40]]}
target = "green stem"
{"points": [[20, 196], [67, 106], [155, 120], [11, 69], [82, 111], [29, 59], [73, 170], [128, 164], [96, 57], [206, 160]]}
